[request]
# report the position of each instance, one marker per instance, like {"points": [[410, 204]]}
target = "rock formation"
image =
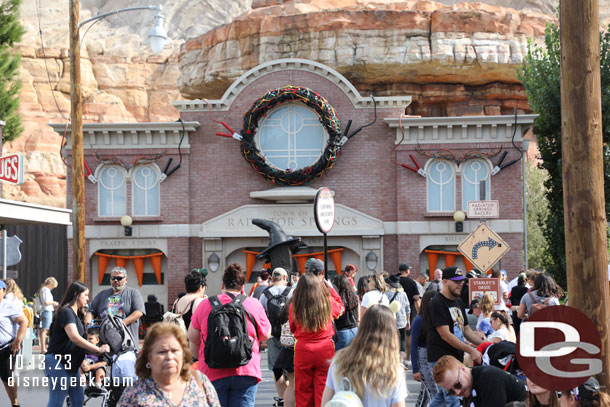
{"points": [[453, 57]]}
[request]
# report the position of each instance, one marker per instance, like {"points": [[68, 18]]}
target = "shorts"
{"points": [[402, 335], [46, 317], [273, 351], [7, 363], [285, 360]]}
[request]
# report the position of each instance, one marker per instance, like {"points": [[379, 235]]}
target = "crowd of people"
{"points": [[338, 343]]}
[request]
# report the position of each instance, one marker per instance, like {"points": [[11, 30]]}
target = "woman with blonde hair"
{"points": [[13, 292], [376, 293], [46, 313], [164, 373], [371, 363], [314, 305], [484, 322]]}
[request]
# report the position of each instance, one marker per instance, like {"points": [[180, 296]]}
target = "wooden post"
{"points": [[583, 182], [78, 155]]}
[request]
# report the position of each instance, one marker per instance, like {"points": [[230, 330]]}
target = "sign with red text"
{"points": [[11, 169], [324, 210], [483, 209], [477, 287]]}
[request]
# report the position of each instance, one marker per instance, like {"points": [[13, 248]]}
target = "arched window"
{"points": [[474, 171], [440, 186], [111, 190], [145, 188], [291, 137]]}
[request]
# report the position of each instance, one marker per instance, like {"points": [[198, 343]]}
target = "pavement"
{"points": [[37, 396]]}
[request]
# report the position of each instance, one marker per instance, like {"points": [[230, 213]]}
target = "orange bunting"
{"points": [[121, 261]]}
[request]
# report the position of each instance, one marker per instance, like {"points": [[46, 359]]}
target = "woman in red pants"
{"points": [[314, 305]]}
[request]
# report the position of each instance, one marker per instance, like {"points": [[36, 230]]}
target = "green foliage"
{"points": [[537, 212], [541, 77], [10, 33]]}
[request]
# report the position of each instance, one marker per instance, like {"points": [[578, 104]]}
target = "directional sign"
{"points": [[483, 247], [11, 169]]}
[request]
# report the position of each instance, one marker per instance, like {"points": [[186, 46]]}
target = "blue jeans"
{"points": [[344, 337], [442, 399], [236, 391], [62, 383]]}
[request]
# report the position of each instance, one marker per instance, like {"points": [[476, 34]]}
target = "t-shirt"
{"points": [[501, 333], [259, 290], [435, 286], [527, 300], [405, 309], [374, 297], [9, 310], [495, 387], [484, 325], [443, 311], [396, 395], [46, 296], [60, 343], [502, 305], [121, 304], [410, 287], [199, 321], [124, 366], [275, 290]]}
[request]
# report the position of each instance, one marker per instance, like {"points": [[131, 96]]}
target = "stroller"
{"points": [[504, 356], [120, 362]]}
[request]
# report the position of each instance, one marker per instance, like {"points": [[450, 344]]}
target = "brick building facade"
{"points": [[383, 209]]}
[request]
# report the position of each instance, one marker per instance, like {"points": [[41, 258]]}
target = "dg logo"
{"points": [[559, 348]]}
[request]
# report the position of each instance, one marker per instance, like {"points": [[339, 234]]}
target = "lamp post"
{"points": [[157, 37]]}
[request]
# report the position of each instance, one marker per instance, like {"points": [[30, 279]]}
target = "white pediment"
{"points": [[295, 220]]}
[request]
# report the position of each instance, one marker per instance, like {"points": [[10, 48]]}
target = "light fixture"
{"points": [[126, 221], [213, 262], [371, 261], [459, 217], [157, 34]]}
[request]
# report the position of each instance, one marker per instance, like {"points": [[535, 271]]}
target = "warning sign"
{"points": [[483, 247]]}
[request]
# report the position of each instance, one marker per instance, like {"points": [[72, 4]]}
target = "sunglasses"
{"points": [[456, 386], [117, 278]]}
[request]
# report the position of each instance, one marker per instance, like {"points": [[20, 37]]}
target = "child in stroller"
{"points": [[120, 363]]}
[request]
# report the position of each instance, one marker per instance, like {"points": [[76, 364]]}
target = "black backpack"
{"points": [[228, 344], [275, 303]]}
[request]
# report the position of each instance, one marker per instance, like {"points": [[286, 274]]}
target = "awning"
{"points": [[15, 213]]}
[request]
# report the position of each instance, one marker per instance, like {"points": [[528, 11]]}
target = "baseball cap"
{"points": [[589, 390], [473, 304], [314, 266], [404, 267], [453, 273], [278, 271], [2, 285]]}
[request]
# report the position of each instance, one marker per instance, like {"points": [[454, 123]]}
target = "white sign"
{"points": [[324, 210], [11, 169], [483, 209]]}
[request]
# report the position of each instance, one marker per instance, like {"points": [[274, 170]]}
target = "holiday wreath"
{"points": [[328, 119]]}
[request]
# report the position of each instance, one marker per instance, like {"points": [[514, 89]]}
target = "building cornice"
{"points": [[131, 135], [460, 129], [359, 101]]}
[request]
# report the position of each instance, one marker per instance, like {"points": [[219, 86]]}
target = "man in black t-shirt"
{"points": [[481, 386], [448, 329]]}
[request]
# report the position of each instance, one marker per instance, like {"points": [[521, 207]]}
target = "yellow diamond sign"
{"points": [[483, 247]]}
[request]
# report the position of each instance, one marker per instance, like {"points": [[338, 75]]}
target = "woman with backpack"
{"points": [[346, 324], [396, 294], [47, 305], [543, 294], [195, 284], [314, 305], [376, 293], [67, 348], [371, 363]]}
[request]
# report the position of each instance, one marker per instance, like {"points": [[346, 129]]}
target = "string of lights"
{"points": [[328, 119]]}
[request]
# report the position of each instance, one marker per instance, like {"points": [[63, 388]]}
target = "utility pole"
{"points": [[583, 181], [78, 154]]}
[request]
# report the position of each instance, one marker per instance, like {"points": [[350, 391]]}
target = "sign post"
{"points": [[324, 214]]}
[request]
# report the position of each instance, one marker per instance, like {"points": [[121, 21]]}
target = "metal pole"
{"points": [[78, 154], [524, 211], [325, 258], [583, 169], [4, 253]]}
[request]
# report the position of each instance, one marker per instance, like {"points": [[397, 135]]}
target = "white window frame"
{"points": [[427, 168], [132, 176], [487, 164], [98, 174]]}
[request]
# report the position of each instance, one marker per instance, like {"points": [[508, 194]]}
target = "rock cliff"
{"points": [[453, 57]]}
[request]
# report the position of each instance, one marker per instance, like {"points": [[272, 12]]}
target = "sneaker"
{"points": [[278, 402]]}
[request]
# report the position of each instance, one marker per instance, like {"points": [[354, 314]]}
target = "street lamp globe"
{"points": [[157, 34]]}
